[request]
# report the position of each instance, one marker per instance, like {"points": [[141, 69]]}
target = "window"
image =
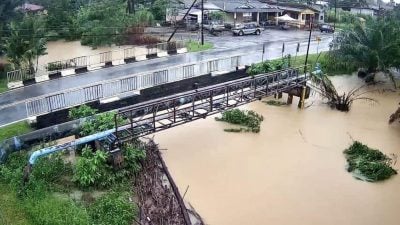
{"points": [[303, 17], [246, 14], [321, 18]]}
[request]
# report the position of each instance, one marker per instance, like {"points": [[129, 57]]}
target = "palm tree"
{"points": [[373, 45], [26, 42]]}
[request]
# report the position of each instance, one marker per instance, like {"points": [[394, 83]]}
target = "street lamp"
{"points": [[202, 22]]}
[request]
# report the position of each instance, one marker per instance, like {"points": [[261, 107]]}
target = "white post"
{"points": [[258, 17], [276, 18]]}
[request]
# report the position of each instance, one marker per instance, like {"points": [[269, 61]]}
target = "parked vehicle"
{"points": [[326, 28], [247, 28], [284, 26], [214, 26]]}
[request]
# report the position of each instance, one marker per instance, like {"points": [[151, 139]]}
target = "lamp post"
{"points": [[202, 22]]}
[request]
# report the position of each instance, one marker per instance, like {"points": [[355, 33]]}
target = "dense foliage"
{"points": [[373, 45], [269, 66], [81, 112], [249, 119], [54, 211], [91, 168], [44, 197], [113, 209], [26, 42], [98, 123], [369, 164]]}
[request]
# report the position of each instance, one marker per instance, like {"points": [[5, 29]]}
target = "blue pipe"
{"points": [[49, 150]]}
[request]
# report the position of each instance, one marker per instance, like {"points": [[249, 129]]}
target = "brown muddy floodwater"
{"points": [[293, 171], [63, 50]]}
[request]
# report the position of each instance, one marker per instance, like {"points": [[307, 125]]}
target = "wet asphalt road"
{"points": [[12, 103]]}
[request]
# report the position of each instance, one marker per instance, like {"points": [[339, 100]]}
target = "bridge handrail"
{"points": [[208, 88], [132, 82]]}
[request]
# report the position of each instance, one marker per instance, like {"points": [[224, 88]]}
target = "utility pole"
{"points": [[304, 89], [334, 21], [309, 41], [202, 22]]}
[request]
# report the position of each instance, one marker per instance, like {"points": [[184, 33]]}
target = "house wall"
{"points": [[369, 12]]}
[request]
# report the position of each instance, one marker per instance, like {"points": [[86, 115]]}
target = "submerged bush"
{"points": [[274, 103], [113, 209], [250, 119], [369, 164]]}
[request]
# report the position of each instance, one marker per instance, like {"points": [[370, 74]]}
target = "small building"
{"points": [[239, 11], [30, 8], [303, 13]]}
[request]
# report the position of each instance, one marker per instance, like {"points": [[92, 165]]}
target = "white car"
{"points": [[247, 28], [213, 26]]}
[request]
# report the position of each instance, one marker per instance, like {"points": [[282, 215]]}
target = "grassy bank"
{"points": [[14, 130], [3, 84], [11, 210], [194, 46]]}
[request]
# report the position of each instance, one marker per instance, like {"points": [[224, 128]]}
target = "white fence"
{"points": [[134, 82], [115, 57]]}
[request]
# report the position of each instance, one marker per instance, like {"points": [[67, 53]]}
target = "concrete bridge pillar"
{"points": [[278, 95], [302, 97], [290, 99]]}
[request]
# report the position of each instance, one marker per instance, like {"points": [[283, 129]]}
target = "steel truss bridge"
{"points": [[163, 113]]}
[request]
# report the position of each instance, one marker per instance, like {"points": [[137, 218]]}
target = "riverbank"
{"points": [[293, 171]]}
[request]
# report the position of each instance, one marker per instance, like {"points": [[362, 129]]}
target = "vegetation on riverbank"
{"points": [[3, 83], [194, 46], [54, 194], [367, 163], [14, 129], [249, 120]]}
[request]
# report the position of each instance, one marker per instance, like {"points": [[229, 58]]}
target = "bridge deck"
{"points": [[163, 113]]}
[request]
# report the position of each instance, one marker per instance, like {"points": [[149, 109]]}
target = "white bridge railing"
{"points": [[134, 82]]}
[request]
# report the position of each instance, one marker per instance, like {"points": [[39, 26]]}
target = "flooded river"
{"points": [[293, 171], [63, 50]]}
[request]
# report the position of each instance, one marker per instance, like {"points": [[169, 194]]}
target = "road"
{"points": [[12, 103]]}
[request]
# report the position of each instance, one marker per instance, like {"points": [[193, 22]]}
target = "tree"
{"points": [[102, 23], [7, 12], [159, 9], [373, 45], [26, 42]]}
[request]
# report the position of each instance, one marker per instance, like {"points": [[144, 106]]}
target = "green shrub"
{"points": [[113, 209], [81, 112], [269, 66], [98, 123], [55, 211], [90, 168], [133, 156], [11, 172], [369, 164], [249, 119], [50, 169]]}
